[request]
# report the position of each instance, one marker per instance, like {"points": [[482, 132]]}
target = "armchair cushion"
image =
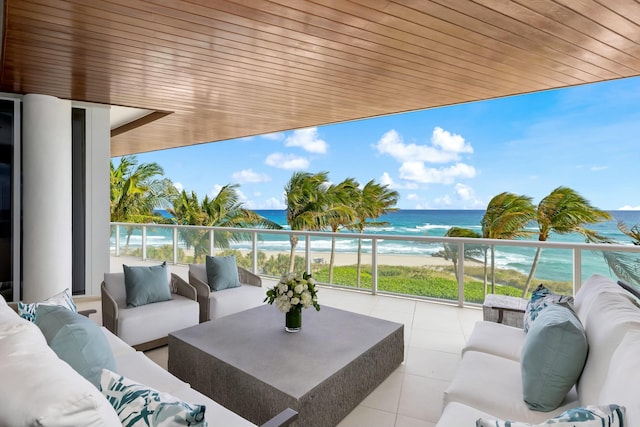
{"points": [[222, 272], [145, 285], [77, 340]]}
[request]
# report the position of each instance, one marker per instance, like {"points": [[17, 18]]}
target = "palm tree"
{"points": [[306, 200], [633, 232], [341, 213], [136, 190], [374, 200], [506, 217], [564, 211], [224, 210], [625, 265], [451, 251]]}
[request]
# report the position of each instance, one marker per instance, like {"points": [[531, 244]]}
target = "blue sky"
{"points": [[455, 157]]}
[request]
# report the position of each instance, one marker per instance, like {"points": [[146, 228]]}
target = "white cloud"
{"points": [[273, 203], [275, 136], [178, 186], [464, 192], [248, 175], [416, 171], [286, 161], [445, 147], [215, 190], [599, 168], [308, 139], [629, 208], [444, 200], [413, 196], [386, 179]]}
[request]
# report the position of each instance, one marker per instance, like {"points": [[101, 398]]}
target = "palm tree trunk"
{"points": [[455, 268], [332, 258], [493, 269], [126, 245], [536, 260], [359, 262], [292, 257]]}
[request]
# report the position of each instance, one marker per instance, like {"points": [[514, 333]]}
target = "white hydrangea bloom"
{"points": [[298, 289], [295, 301]]}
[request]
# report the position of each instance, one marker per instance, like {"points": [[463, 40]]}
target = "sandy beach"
{"points": [[347, 258]]}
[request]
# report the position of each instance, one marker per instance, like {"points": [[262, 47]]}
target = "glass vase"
{"points": [[293, 320]]}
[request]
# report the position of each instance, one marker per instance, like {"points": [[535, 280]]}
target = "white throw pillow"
{"points": [[63, 299], [131, 400], [589, 416]]}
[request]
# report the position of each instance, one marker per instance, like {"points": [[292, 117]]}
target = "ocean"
{"points": [[555, 264]]}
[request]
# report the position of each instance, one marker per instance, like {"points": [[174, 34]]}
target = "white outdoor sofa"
{"points": [[488, 381], [214, 304], [38, 388]]}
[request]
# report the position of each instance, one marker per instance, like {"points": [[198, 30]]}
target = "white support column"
{"points": [[46, 203], [98, 230]]}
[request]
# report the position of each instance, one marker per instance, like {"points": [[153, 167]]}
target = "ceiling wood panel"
{"points": [[231, 68]]}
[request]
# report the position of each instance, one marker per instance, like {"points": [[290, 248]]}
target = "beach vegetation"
{"points": [[343, 214], [136, 189], [564, 211], [372, 201], [306, 203], [223, 210], [506, 217], [470, 251]]}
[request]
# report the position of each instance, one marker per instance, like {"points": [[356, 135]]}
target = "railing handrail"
{"points": [[613, 247]]}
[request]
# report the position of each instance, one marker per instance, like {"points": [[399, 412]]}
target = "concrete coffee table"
{"points": [[249, 364]]}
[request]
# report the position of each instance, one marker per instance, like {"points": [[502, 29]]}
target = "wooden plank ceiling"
{"points": [[233, 68]]}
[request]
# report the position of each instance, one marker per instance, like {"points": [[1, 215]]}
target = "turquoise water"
{"points": [[555, 264]]}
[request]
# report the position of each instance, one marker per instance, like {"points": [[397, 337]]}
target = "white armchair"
{"points": [[147, 326], [214, 304]]}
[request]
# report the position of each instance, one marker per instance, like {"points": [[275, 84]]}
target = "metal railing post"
{"points": [[211, 242], [254, 249], [117, 239], [460, 274], [374, 266], [175, 244], [577, 270], [307, 253], [144, 242]]}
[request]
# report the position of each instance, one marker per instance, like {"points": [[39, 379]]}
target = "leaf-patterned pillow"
{"points": [[138, 405], [541, 297], [63, 299], [588, 416]]}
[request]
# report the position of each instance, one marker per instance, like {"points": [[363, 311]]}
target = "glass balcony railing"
{"points": [[461, 270]]}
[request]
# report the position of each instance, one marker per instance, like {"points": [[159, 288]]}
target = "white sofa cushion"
{"points": [[494, 384], [610, 317], [233, 300], [497, 339], [118, 347], [618, 387], [38, 388], [591, 291], [590, 416], [138, 367], [460, 415], [154, 321]]}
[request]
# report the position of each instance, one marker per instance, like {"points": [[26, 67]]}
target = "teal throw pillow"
{"points": [[552, 358], [145, 285], [139, 405], [589, 416], [222, 272], [77, 340]]}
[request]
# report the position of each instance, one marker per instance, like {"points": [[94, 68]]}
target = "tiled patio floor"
{"points": [[412, 395]]}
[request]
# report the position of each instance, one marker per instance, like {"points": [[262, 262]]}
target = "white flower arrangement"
{"points": [[294, 291]]}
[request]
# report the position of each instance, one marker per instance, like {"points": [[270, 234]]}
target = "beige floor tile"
{"points": [[421, 397], [159, 355], [368, 417], [451, 341], [404, 421], [386, 396], [431, 363]]}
